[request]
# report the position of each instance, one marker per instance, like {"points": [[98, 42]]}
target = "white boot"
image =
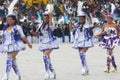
{"points": [[52, 72], [47, 76], [5, 77], [18, 78], [85, 71], [52, 75], [8, 67]]}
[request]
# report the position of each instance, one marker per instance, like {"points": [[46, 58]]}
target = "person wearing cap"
{"points": [[109, 34], [47, 42], [12, 42], [83, 39]]}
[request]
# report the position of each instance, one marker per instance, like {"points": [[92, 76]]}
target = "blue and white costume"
{"points": [[11, 40], [82, 37], [46, 38]]}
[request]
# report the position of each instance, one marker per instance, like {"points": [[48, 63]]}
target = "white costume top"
{"points": [[12, 40], [110, 32], [46, 38], [82, 36]]}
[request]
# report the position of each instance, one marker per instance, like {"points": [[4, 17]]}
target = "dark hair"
{"points": [[1, 2], [45, 15], [13, 17], [83, 16]]}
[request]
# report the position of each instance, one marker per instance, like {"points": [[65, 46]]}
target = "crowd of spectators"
{"points": [[30, 15]]}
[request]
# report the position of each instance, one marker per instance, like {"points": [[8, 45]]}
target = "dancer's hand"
{"points": [[97, 36], [70, 19], [70, 23], [50, 14], [30, 46], [33, 33], [100, 35]]}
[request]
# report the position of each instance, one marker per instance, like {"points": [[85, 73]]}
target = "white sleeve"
{"points": [[20, 31], [51, 27], [75, 25], [1, 33], [90, 25]]}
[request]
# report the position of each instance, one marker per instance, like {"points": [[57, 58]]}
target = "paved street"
{"points": [[66, 62]]}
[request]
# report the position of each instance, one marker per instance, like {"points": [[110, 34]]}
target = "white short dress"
{"points": [[47, 40], [12, 40], [82, 37]]}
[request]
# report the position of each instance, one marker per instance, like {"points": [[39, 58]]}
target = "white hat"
{"points": [[45, 13], [11, 15], [81, 13], [49, 8]]}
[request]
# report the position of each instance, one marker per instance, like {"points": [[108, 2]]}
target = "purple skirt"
{"points": [[109, 42]]}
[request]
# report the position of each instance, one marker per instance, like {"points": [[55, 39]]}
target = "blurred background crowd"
{"points": [[29, 14]]}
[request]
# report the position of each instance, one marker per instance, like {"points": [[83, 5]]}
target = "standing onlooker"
{"points": [[3, 9], [66, 33], [60, 34]]}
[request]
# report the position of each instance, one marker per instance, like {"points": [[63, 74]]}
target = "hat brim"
{"points": [[45, 14], [11, 15], [80, 15], [108, 16]]}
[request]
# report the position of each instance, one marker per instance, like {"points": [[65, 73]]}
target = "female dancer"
{"points": [[47, 42], [83, 39], [110, 34], [12, 42]]}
